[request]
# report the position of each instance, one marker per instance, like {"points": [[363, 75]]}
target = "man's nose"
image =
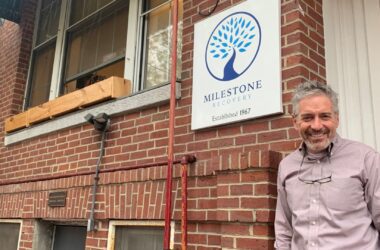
{"points": [[316, 124]]}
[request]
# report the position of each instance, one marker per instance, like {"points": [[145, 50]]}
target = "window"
{"points": [[59, 235], [80, 42], [43, 52], [157, 35], [142, 235], [69, 237], [137, 237], [95, 44], [9, 234]]}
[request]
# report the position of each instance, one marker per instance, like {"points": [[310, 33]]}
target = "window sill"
{"points": [[111, 88], [127, 104]]}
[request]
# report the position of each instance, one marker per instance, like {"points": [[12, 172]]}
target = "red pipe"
{"points": [[173, 79], [184, 205], [54, 177]]}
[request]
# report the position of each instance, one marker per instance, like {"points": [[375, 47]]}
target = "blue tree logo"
{"points": [[234, 43]]}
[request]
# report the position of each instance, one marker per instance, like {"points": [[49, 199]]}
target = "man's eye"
{"points": [[307, 118], [326, 117]]}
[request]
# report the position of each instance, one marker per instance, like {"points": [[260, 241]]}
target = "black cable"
{"points": [[209, 12]]}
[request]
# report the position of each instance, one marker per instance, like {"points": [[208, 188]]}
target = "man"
{"points": [[329, 188]]}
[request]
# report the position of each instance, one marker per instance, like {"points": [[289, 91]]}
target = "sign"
{"points": [[57, 199], [237, 64]]}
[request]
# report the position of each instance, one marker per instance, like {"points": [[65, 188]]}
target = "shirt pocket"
{"points": [[297, 194], [343, 194]]}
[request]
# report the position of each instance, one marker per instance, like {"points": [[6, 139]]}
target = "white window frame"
{"points": [[131, 68], [114, 223], [143, 40], [16, 222]]}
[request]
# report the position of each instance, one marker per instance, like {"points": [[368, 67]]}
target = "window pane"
{"points": [[82, 8], [49, 19], [157, 46], [69, 237], [98, 43], [153, 3], [9, 234], [142, 238], [41, 75], [115, 69]]}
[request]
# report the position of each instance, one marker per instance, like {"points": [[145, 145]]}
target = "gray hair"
{"points": [[314, 88]]}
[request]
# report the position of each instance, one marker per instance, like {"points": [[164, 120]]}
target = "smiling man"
{"points": [[329, 188]]}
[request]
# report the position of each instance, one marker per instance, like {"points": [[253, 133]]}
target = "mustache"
{"points": [[321, 131]]}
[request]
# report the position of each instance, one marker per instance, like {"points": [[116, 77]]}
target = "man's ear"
{"points": [[337, 119], [295, 121]]}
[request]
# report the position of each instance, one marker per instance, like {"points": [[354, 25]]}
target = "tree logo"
{"points": [[234, 43]]}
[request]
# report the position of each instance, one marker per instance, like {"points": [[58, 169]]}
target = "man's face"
{"points": [[316, 122]]}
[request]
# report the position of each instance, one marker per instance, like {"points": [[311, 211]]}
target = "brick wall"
{"points": [[15, 46], [231, 186]]}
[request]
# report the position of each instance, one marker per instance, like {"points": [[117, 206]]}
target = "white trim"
{"points": [[14, 221], [352, 44], [372, 19], [114, 223], [59, 50], [128, 104], [131, 41]]}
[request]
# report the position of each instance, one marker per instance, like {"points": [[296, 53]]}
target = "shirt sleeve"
{"points": [[283, 226], [372, 188]]}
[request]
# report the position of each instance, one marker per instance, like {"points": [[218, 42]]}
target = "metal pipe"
{"points": [[101, 171], [173, 79], [184, 206], [91, 220]]}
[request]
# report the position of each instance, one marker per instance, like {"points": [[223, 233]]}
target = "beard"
{"points": [[317, 140]]}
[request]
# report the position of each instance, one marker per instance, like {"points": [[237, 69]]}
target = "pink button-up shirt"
{"points": [[341, 214]]}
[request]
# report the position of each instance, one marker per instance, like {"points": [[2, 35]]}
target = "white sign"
{"points": [[237, 64]]}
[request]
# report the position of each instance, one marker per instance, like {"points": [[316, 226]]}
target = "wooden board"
{"points": [[16, 122], [110, 88]]}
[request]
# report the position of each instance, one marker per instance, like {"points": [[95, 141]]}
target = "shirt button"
{"points": [[314, 200], [313, 222], [318, 161], [312, 244]]}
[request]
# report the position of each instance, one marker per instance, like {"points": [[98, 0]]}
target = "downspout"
{"points": [[91, 220], [101, 123], [173, 79]]}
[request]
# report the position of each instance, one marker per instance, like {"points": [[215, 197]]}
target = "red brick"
{"points": [[224, 142], [265, 215], [207, 204], [255, 127], [235, 229], [253, 244], [227, 242], [258, 203], [263, 230], [241, 189], [228, 202], [228, 178], [242, 216]]}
